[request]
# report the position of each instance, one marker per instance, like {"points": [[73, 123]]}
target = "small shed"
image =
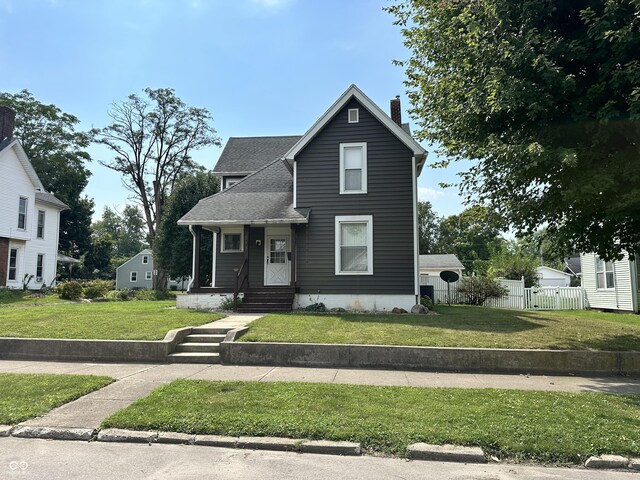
{"points": [[550, 277]]}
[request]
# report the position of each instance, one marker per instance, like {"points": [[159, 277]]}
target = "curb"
{"points": [[445, 453], [5, 430], [608, 461], [129, 436], [52, 433], [634, 464]]}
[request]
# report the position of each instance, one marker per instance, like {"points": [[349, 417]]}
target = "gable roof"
{"points": [[244, 155], [24, 160], [50, 199], [265, 196], [146, 251], [573, 265], [440, 261], [366, 102]]}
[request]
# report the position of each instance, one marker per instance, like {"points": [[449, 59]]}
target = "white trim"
{"points": [[295, 184], [606, 287], [17, 267], [416, 238], [354, 302], [356, 112], [44, 217], [131, 276], [283, 221], [148, 275], [363, 179], [214, 259], [355, 92], [26, 212], [228, 182], [354, 219], [266, 251], [193, 259], [231, 231], [143, 258]]}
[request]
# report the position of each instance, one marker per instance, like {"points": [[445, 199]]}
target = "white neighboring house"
{"points": [[29, 216], [550, 277], [433, 264], [611, 285]]}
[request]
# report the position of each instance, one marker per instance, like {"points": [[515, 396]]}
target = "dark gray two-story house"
{"points": [[329, 216]]}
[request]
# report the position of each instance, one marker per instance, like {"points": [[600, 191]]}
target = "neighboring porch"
{"points": [[255, 263]]}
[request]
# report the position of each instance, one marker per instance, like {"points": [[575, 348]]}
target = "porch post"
{"points": [[247, 228], [294, 254], [214, 258], [197, 237]]}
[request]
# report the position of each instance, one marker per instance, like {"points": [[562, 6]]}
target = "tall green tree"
{"points": [[511, 261], [152, 138], [58, 154], [126, 230], [472, 236], [545, 96], [428, 228], [174, 244]]}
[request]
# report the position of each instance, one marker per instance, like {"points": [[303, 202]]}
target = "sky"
{"points": [[261, 67]]}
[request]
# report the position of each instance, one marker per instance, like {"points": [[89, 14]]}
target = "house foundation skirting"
{"points": [[203, 301]]}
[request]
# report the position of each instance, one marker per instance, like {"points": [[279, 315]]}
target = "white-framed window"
{"points": [[40, 267], [354, 245], [353, 115], [13, 264], [22, 213], [133, 276], [145, 259], [232, 241], [605, 276], [353, 168], [148, 275], [40, 233], [230, 182]]}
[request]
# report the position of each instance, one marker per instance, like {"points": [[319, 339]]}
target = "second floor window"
{"points": [[40, 223], [353, 168], [22, 213], [145, 259]]}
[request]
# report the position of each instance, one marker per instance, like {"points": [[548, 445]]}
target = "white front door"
{"points": [[276, 268]]}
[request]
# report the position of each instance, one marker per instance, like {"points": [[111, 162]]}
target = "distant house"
{"points": [[550, 277], [573, 266], [433, 264], [139, 272], [329, 216], [29, 216], [611, 285]]}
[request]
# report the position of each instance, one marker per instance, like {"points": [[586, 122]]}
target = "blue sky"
{"points": [[262, 67]]}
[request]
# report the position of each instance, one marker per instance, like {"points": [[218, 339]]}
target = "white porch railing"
{"points": [[518, 297]]}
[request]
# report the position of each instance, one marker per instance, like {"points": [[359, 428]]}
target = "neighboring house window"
{"points": [[133, 276], [145, 259], [605, 277], [39, 267], [147, 276], [353, 168], [354, 245], [13, 263], [231, 242], [354, 115], [231, 183], [22, 213], [40, 223]]}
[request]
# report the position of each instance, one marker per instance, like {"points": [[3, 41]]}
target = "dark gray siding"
{"points": [[389, 200], [226, 262]]}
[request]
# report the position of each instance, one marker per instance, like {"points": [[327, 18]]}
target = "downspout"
{"points": [[416, 241], [193, 260]]}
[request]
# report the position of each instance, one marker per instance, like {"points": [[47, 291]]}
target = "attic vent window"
{"points": [[354, 115]]}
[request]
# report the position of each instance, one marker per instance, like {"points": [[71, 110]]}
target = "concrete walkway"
{"points": [[135, 381], [236, 320]]}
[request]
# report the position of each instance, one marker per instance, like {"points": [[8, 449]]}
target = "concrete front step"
{"points": [[194, 357], [198, 347], [210, 330], [203, 338]]}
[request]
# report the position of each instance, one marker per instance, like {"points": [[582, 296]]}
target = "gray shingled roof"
{"points": [[49, 198], [5, 143], [573, 265], [437, 261], [266, 195], [248, 154]]}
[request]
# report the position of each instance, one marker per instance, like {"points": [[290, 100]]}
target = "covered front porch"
{"points": [[253, 262]]}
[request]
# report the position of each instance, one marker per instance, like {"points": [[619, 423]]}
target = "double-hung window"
{"points": [[22, 213], [39, 267], [354, 245], [148, 276], [133, 277], [145, 259], [40, 233], [13, 263], [353, 168], [232, 242], [605, 276]]}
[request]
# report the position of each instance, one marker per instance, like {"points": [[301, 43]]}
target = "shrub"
{"points": [[144, 294], [227, 303], [316, 307], [71, 290], [427, 302], [478, 290], [98, 288], [120, 295], [8, 295], [173, 288]]}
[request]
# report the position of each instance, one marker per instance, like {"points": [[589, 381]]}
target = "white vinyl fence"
{"points": [[518, 297]]}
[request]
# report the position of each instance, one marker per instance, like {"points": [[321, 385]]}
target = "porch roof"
{"points": [[265, 196]]}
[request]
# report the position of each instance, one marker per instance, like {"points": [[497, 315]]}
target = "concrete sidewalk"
{"points": [[134, 381]]}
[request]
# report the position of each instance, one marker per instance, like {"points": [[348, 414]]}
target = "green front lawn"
{"points": [[139, 320], [24, 396], [540, 426], [457, 326]]}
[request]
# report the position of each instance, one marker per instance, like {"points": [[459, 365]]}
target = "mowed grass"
{"points": [[457, 326], [134, 320], [519, 425], [24, 396]]}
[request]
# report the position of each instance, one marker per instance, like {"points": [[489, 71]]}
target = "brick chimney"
{"points": [[7, 122], [396, 111]]}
